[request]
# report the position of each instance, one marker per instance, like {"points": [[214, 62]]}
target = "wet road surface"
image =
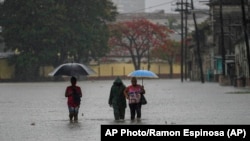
{"points": [[38, 111]]}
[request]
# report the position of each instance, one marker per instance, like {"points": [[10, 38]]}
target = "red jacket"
{"points": [[69, 92]]}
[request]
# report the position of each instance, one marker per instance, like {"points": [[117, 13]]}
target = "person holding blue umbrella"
{"points": [[133, 93], [143, 74]]}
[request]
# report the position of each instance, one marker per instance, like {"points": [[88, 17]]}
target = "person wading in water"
{"points": [[74, 94]]}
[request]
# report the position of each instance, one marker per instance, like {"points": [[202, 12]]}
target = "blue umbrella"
{"points": [[143, 74]]}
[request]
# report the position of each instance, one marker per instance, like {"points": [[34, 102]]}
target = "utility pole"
{"points": [[185, 48], [182, 41], [198, 45], [222, 40], [183, 55], [181, 12], [244, 21]]}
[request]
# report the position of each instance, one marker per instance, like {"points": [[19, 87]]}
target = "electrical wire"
{"points": [[154, 6]]}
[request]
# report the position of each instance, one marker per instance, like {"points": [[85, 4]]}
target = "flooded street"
{"points": [[38, 111]]}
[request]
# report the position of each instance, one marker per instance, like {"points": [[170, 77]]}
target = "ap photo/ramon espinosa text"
{"points": [[188, 132]]}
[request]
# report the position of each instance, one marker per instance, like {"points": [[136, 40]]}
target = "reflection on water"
{"points": [[38, 111]]}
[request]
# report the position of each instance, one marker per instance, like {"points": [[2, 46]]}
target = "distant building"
{"points": [[130, 6], [163, 18]]}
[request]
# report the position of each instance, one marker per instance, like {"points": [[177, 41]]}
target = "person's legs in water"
{"points": [[76, 113], [121, 113], [76, 116], [132, 111], [71, 116], [116, 112], [71, 113], [138, 111]]}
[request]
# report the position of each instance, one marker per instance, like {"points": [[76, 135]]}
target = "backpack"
{"points": [[76, 96]]}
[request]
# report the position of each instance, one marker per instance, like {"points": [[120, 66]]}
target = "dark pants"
{"points": [[119, 112], [135, 110]]}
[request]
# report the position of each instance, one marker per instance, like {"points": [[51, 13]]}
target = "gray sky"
{"points": [[170, 5]]}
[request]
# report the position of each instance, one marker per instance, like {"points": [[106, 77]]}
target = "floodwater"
{"points": [[38, 111]]}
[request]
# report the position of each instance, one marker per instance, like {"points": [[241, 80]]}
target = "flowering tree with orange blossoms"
{"points": [[137, 38], [169, 52]]}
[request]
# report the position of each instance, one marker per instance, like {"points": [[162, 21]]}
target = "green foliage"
{"points": [[203, 30], [48, 32]]}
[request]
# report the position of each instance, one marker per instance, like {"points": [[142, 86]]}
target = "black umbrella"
{"points": [[72, 69]]}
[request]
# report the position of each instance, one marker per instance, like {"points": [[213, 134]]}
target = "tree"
{"points": [[169, 52], [48, 32], [25, 31], [137, 37]]}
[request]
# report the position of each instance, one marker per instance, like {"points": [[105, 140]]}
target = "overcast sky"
{"points": [[170, 5]]}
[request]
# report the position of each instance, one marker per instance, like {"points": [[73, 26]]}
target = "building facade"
{"points": [[130, 6]]}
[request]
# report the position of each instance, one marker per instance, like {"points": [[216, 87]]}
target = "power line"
{"points": [[161, 4], [158, 5]]}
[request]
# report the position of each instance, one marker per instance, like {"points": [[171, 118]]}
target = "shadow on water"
{"points": [[112, 121], [85, 124], [74, 125], [238, 92]]}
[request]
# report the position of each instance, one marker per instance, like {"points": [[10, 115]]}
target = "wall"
{"points": [[123, 69], [6, 71], [106, 70]]}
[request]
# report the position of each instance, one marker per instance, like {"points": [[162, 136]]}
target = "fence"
{"points": [[107, 70], [123, 69]]}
